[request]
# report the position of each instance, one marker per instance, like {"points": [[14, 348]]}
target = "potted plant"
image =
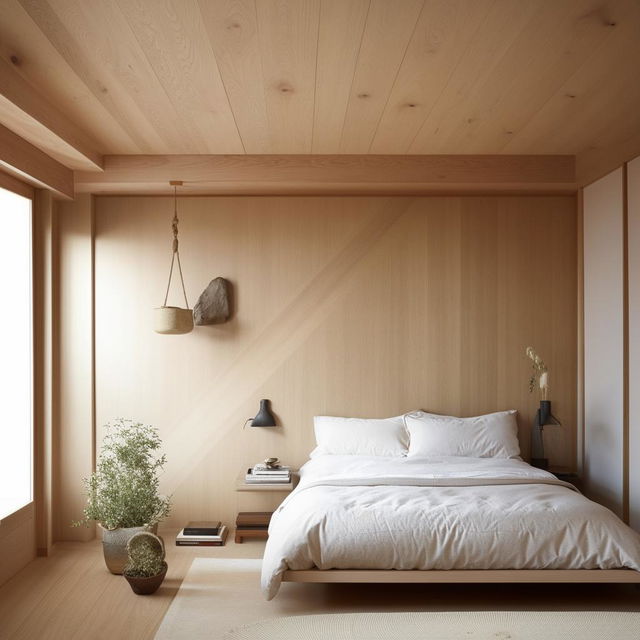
{"points": [[122, 493], [146, 567]]}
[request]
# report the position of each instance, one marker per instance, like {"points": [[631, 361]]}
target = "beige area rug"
{"points": [[470, 625], [220, 599]]}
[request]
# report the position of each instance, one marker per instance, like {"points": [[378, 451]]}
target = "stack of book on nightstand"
{"points": [[253, 524], [262, 474], [202, 534]]}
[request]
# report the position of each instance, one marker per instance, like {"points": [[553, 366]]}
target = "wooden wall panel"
{"points": [[604, 341], [345, 306], [74, 436], [633, 269], [17, 541]]}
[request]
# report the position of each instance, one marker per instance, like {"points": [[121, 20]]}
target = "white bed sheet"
{"points": [[360, 512]]}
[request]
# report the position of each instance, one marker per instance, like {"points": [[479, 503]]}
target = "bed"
{"points": [[441, 518]]}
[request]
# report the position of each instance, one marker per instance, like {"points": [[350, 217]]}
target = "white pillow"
{"points": [[360, 436], [494, 435]]}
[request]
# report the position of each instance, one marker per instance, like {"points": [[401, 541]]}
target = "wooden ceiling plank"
{"points": [[341, 29], [175, 42], [554, 44], [387, 33], [593, 164], [25, 111], [490, 43], [288, 36], [26, 161], [96, 41], [590, 99], [442, 36], [356, 174], [233, 35], [33, 56]]}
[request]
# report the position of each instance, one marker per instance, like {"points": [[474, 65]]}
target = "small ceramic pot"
{"points": [[114, 546], [146, 586]]}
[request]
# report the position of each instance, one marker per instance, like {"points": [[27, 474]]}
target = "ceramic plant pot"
{"points": [[172, 320], [146, 586], [114, 546]]}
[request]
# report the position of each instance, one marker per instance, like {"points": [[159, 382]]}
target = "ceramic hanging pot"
{"points": [[172, 320]]}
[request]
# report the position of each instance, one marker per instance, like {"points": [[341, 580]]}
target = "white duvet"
{"points": [[358, 512]]}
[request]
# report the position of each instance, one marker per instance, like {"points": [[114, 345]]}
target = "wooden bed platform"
{"points": [[458, 576]]}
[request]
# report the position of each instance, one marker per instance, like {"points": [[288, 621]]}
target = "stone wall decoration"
{"points": [[213, 304]]}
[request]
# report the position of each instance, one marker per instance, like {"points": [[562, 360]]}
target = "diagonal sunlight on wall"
{"points": [[271, 348], [343, 306]]}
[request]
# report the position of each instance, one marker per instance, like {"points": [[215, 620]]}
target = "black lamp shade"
{"points": [[264, 418]]}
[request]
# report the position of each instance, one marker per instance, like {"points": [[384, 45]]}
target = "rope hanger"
{"points": [[175, 252]]}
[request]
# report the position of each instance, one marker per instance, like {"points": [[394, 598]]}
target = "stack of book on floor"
{"points": [[202, 534], [262, 474], [252, 524]]}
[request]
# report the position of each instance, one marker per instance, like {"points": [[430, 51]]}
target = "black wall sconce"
{"points": [[264, 417]]}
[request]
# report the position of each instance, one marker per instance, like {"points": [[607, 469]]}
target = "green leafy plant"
{"points": [[540, 375], [123, 490], [146, 556]]}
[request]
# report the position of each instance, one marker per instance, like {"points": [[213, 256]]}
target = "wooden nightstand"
{"points": [[568, 476], [258, 528]]}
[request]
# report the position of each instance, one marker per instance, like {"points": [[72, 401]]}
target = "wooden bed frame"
{"points": [[459, 576]]}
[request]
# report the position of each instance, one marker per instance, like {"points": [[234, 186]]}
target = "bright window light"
{"points": [[16, 360]]}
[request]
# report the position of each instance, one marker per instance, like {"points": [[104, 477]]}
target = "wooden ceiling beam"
{"points": [[22, 159], [33, 118], [332, 174]]}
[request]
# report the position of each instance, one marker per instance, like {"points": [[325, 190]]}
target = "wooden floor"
{"points": [[70, 595]]}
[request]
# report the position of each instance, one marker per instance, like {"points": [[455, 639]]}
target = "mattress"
{"points": [[359, 512]]}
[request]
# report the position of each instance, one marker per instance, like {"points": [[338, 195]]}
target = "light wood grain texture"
{"points": [[98, 43], [580, 101], [333, 174], [25, 111], [487, 576], [580, 330], [72, 595], [45, 347], [288, 36], [17, 542], [9, 182], [339, 41], [19, 157], [321, 76], [174, 40], [442, 36], [563, 35], [75, 437], [339, 303], [490, 45], [385, 39], [35, 58], [31, 606], [232, 28]]}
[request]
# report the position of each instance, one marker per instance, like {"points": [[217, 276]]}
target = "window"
{"points": [[16, 359]]}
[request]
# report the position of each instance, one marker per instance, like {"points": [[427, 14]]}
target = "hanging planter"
{"points": [[174, 320]]}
